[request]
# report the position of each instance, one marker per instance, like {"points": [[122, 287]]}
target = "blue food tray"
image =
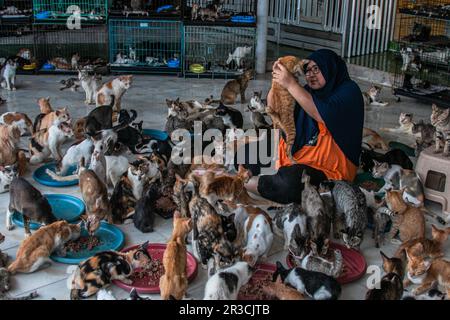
{"points": [[243, 19], [156, 134], [43, 178], [111, 238], [64, 207]]}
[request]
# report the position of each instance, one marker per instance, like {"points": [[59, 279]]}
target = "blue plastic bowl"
{"points": [[48, 66], [43, 178], [111, 238], [165, 8], [243, 19], [43, 15], [64, 207], [173, 63], [156, 134]]}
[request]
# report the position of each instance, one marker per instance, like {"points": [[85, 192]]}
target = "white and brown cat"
{"points": [[116, 88]]}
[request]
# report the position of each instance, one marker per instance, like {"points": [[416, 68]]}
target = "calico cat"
{"points": [[372, 96], [236, 87], [407, 220], [9, 75], [174, 282], [72, 83], [432, 248], [20, 120], [406, 123], [232, 118], [90, 85], [226, 283], [282, 109], [7, 175], [425, 133], [314, 284], [350, 217], [394, 156], [319, 219], [127, 192], [116, 88], [144, 215], [34, 251], [46, 120], [98, 271], [280, 291], [27, 200], [425, 272], [48, 142], [440, 119], [395, 177], [391, 285]]}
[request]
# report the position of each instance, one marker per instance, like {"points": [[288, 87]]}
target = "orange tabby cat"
{"points": [[282, 105], [432, 247], [376, 141], [425, 272], [46, 121], [236, 87], [282, 291], [35, 250], [408, 220], [44, 105], [174, 282]]}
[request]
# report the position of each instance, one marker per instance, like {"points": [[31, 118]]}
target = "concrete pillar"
{"points": [[261, 35]]}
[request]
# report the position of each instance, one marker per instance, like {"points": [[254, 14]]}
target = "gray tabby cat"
{"points": [[440, 119], [396, 178], [350, 212], [425, 135], [5, 285], [331, 264]]}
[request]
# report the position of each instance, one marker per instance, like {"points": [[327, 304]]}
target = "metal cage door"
{"points": [[312, 11]]}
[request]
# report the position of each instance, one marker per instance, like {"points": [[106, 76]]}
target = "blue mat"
{"points": [[43, 178], [64, 207], [111, 238]]}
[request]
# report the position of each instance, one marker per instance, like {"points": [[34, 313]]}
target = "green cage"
{"points": [[60, 11]]}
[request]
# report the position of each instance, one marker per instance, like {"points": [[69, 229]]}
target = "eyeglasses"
{"points": [[311, 71]]}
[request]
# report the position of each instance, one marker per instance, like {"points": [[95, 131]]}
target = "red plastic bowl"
{"points": [[354, 263], [156, 251], [263, 270]]}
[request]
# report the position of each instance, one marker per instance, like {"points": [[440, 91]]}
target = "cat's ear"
{"points": [[144, 246], [384, 256], [305, 177], [434, 107]]}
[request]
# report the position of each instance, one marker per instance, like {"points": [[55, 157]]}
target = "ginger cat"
{"points": [[375, 141], [174, 282], [408, 220], [281, 109], [10, 153], [35, 250], [44, 105], [425, 272], [282, 291], [45, 121], [432, 247], [236, 87]]}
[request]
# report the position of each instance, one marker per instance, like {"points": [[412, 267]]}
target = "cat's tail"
{"points": [[57, 177], [22, 163]]}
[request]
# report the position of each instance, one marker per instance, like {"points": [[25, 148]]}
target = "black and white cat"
{"points": [[285, 222], [232, 118], [316, 285]]}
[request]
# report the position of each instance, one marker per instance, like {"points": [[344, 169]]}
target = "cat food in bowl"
{"points": [[83, 243], [253, 290]]}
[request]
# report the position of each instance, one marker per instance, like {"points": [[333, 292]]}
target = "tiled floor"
{"points": [[147, 96]]}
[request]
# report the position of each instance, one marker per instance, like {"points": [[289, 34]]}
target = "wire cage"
{"points": [[88, 11], [422, 46], [144, 9], [229, 12], [16, 10], [218, 51], [17, 40], [148, 46], [62, 50]]}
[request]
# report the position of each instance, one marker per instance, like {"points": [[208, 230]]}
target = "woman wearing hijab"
{"points": [[329, 117]]}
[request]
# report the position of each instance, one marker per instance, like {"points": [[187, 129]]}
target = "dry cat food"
{"points": [[369, 185], [83, 243], [153, 272], [254, 288]]}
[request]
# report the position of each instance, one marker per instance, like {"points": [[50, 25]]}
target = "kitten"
{"points": [[238, 55], [9, 75], [394, 156], [425, 133], [144, 215], [20, 120], [90, 85], [372, 96], [34, 251], [116, 88], [319, 219], [376, 141], [316, 285], [395, 177], [259, 235], [98, 271], [7, 175], [206, 14], [48, 142], [406, 124], [280, 291], [71, 83], [127, 192], [286, 220], [236, 87], [350, 217], [232, 118], [226, 283], [432, 248], [282, 109], [440, 119], [30, 203], [391, 285], [407, 220], [46, 120], [174, 282]]}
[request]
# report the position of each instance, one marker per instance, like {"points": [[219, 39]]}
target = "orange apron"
{"points": [[325, 156]]}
